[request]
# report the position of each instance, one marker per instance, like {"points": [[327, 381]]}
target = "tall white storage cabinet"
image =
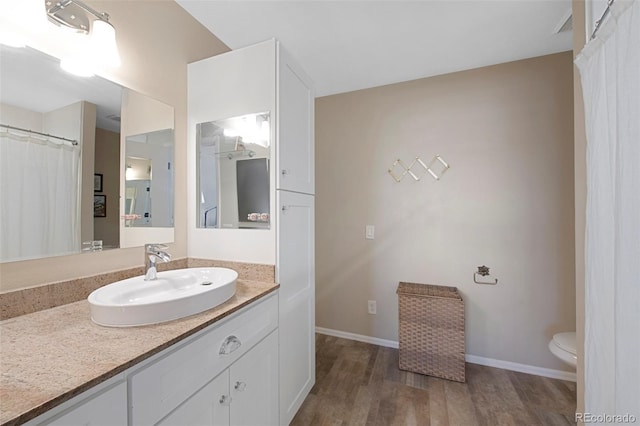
{"points": [[296, 275], [295, 256], [255, 79]]}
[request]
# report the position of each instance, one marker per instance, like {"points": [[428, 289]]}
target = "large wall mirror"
{"points": [[233, 172], [63, 168]]}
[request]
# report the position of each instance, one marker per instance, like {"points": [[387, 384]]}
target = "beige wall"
{"points": [[107, 163], [156, 40], [507, 202], [580, 190], [20, 117]]}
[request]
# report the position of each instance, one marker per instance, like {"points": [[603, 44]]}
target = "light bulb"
{"points": [[103, 43]]}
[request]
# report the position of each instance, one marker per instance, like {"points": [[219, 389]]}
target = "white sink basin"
{"points": [[175, 294]]}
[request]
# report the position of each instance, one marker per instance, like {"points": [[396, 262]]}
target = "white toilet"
{"points": [[563, 345]]}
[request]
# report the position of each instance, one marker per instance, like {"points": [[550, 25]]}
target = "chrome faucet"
{"points": [[153, 253]]}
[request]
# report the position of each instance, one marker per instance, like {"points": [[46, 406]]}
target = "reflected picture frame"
{"points": [[97, 182], [99, 206]]}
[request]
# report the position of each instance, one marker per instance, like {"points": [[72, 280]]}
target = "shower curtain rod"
{"points": [[72, 141], [601, 20]]}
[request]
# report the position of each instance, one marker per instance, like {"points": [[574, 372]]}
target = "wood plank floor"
{"points": [[360, 384]]}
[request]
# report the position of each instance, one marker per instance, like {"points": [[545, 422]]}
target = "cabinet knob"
{"points": [[229, 345], [240, 386], [285, 172], [225, 400]]}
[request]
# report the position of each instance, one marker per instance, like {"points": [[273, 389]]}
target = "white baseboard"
{"points": [[358, 337], [473, 359], [522, 368]]}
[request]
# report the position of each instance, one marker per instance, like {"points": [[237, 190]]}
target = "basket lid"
{"points": [[428, 290]]}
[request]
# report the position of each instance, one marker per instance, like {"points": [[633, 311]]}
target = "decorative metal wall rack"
{"points": [[418, 169]]}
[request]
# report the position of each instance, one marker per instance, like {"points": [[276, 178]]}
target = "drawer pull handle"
{"points": [[240, 386], [230, 344], [225, 400]]}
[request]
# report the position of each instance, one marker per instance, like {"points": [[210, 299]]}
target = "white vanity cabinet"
{"points": [[244, 394], [194, 374], [225, 374]]}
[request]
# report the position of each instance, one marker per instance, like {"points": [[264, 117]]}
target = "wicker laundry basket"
{"points": [[431, 330]]}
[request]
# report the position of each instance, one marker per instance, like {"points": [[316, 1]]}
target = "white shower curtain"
{"points": [[610, 73], [39, 207]]}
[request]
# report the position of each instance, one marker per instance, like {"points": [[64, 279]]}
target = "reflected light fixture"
{"points": [[97, 47], [252, 128]]}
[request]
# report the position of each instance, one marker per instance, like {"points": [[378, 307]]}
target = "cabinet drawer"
{"points": [[163, 385]]}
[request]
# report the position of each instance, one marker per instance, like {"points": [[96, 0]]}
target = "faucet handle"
{"points": [[154, 247]]}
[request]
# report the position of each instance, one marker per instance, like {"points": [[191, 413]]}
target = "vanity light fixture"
{"points": [[96, 36]]}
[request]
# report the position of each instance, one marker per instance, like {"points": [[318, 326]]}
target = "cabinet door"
{"points": [[207, 407], [296, 276], [295, 147], [254, 385], [107, 408]]}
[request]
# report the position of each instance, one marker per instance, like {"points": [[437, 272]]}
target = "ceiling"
{"points": [[352, 45]]}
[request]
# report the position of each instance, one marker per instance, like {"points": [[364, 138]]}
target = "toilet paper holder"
{"points": [[483, 271]]}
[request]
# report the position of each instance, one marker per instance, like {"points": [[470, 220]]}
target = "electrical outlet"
{"points": [[370, 232], [371, 306]]}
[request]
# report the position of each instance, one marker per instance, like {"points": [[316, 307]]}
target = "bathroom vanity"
{"points": [[219, 367], [250, 360]]}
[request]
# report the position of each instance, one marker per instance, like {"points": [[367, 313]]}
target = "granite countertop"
{"points": [[50, 356]]}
